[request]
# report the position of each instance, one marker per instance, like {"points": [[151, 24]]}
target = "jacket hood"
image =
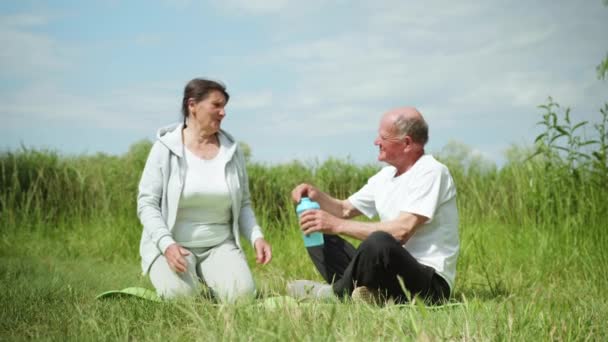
{"points": [[171, 137]]}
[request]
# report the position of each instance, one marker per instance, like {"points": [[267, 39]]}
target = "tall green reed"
{"points": [[42, 189]]}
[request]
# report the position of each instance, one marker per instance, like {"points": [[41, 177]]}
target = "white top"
{"points": [[160, 189], [204, 212], [426, 189]]}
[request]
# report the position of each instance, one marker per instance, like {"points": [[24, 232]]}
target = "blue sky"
{"points": [[308, 79]]}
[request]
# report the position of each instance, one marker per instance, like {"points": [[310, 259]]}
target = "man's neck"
{"points": [[408, 162]]}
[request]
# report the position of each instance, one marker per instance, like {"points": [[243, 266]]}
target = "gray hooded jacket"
{"points": [[161, 186]]}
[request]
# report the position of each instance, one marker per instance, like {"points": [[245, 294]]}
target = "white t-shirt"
{"points": [[426, 189], [204, 212]]}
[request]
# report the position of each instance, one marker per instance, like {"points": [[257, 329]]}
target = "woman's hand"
{"points": [[263, 253], [304, 190], [175, 257]]}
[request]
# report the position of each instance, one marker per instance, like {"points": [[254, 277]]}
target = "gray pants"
{"points": [[223, 268]]}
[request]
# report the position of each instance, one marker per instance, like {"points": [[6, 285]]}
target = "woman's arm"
{"points": [[149, 199], [247, 222]]}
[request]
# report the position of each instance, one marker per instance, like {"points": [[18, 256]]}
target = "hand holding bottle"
{"points": [[316, 238]]}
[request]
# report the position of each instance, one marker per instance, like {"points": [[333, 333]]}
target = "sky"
{"points": [[307, 79]]}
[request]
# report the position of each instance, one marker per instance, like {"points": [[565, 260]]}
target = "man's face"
{"points": [[391, 147]]}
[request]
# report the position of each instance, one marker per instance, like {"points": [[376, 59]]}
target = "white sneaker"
{"points": [[308, 289], [364, 294]]}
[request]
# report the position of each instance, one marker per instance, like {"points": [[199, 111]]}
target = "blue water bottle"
{"points": [[316, 238]]}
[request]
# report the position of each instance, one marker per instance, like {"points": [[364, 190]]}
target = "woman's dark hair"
{"points": [[198, 89]]}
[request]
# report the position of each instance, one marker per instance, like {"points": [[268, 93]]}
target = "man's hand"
{"points": [[319, 221], [263, 252], [175, 257], [305, 190]]}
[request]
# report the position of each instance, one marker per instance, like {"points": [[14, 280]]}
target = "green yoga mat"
{"points": [[272, 303], [138, 292], [143, 293]]}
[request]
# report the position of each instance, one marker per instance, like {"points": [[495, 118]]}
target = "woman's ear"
{"points": [[191, 105]]}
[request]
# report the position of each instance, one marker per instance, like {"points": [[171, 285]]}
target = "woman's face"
{"points": [[209, 112]]}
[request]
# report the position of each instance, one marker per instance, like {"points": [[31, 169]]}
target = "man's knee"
{"points": [[379, 241]]}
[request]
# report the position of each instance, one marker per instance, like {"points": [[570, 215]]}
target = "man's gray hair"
{"points": [[416, 128]]}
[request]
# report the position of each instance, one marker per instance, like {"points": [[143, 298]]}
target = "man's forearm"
{"points": [[334, 206], [361, 230]]}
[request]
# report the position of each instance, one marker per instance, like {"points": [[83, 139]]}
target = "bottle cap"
{"points": [[306, 204]]}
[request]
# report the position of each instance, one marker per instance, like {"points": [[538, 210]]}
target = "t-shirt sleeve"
{"points": [[423, 197], [364, 199]]}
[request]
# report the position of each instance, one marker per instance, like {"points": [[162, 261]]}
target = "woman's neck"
{"points": [[204, 144], [199, 136]]}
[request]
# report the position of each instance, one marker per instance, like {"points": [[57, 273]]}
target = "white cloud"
{"points": [[406, 16], [178, 3], [476, 71], [145, 106], [324, 122], [27, 52], [253, 100], [484, 63], [284, 8], [147, 39], [327, 70], [256, 7], [24, 20]]}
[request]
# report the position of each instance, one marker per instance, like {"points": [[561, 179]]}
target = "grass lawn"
{"points": [[513, 283]]}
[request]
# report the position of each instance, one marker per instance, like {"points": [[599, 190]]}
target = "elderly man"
{"points": [[415, 245]]}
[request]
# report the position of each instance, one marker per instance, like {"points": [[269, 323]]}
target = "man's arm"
{"points": [[338, 208], [401, 228]]}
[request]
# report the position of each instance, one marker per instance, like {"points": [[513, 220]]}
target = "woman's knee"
{"points": [[239, 290], [169, 284], [176, 290], [227, 274]]}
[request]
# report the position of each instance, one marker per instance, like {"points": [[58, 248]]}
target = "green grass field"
{"points": [[519, 283], [532, 265]]}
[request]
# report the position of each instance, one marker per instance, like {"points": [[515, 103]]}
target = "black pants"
{"points": [[378, 263]]}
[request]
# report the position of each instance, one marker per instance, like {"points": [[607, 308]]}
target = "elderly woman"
{"points": [[194, 204]]}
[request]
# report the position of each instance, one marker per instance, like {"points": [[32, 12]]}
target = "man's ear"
{"points": [[408, 141]]}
